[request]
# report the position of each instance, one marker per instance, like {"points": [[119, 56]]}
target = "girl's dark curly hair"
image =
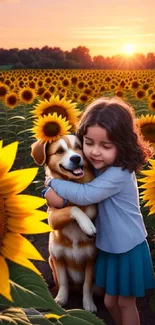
{"points": [[120, 122]]}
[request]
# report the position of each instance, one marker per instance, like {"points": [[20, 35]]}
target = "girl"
{"points": [[113, 145]]}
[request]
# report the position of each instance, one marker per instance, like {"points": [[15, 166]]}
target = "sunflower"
{"points": [[74, 80], [83, 98], [3, 90], [62, 107], [47, 95], [32, 84], [119, 93], [152, 97], [140, 94], [149, 186], [50, 128], [27, 95], [11, 99], [40, 91], [147, 126], [65, 82], [18, 215], [152, 105]]}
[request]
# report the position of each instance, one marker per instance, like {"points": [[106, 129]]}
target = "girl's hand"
{"points": [[47, 180], [53, 200]]}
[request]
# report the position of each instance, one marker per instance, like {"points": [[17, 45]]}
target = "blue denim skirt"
{"points": [[125, 274]]}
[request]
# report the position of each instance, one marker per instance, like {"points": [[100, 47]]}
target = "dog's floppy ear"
{"points": [[38, 152]]}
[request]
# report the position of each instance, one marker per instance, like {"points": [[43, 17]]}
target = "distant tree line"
{"points": [[78, 58]]}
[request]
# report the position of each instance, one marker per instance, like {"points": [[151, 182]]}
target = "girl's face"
{"points": [[98, 149]]}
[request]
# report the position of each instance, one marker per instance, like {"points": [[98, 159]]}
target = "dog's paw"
{"points": [[61, 300], [88, 227], [83, 221], [88, 304], [62, 296]]}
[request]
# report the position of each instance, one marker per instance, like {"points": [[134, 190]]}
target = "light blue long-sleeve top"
{"points": [[119, 222]]}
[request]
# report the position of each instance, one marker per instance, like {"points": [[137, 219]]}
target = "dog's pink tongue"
{"points": [[78, 171]]}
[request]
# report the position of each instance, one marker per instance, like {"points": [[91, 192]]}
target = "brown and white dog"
{"points": [[72, 252]]}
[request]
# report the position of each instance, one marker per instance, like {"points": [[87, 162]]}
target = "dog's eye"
{"points": [[60, 151], [77, 146]]}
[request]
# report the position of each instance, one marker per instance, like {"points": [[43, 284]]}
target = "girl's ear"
{"points": [[38, 152]]}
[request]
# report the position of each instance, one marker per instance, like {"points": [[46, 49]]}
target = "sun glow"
{"points": [[129, 49]]}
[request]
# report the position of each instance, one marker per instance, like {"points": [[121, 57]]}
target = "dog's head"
{"points": [[63, 157]]}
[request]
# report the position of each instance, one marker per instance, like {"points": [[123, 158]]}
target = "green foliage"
{"points": [[85, 315], [77, 316], [29, 290]]}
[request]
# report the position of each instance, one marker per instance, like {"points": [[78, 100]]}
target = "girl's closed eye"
{"points": [[89, 143], [106, 147]]}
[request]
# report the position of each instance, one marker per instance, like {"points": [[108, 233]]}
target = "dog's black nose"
{"points": [[75, 159]]}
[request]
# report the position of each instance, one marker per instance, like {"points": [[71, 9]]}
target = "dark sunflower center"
{"points": [[3, 91], [12, 100], [55, 109], [153, 105], [27, 95], [51, 129], [140, 93], [3, 221], [148, 131]]}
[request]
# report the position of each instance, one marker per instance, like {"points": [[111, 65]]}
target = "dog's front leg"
{"points": [[88, 303], [83, 221]]}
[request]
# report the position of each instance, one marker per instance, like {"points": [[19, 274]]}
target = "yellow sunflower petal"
{"points": [[36, 215], [16, 204], [152, 162], [152, 211], [24, 262], [27, 225], [148, 172], [7, 157], [52, 316], [16, 181], [4, 276], [15, 244]]}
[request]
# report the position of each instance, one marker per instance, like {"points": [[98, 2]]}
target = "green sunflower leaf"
{"points": [[29, 290], [39, 320], [70, 320], [85, 315]]}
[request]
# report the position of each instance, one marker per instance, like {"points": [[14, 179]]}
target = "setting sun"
{"points": [[129, 49]]}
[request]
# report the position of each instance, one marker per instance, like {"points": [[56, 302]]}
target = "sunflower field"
{"points": [[27, 97]]}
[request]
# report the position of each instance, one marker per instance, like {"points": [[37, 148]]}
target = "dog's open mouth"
{"points": [[76, 171]]}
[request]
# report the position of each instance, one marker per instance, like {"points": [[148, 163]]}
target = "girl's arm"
{"points": [[53, 200], [109, 183]]}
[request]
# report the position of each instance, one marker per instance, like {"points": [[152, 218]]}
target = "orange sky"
{"points": [[102, 26]]}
